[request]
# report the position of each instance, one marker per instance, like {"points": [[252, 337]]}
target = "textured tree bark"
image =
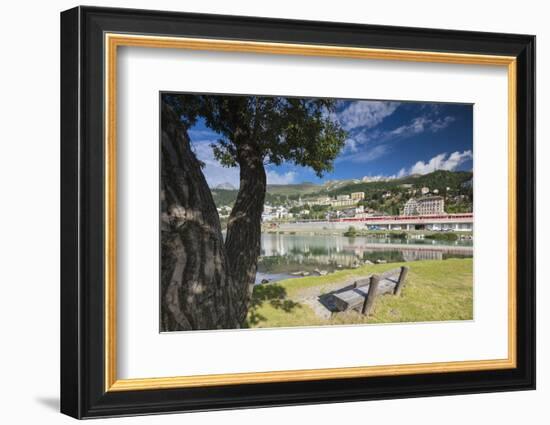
{"points": [[197, 289], [243, 237]]}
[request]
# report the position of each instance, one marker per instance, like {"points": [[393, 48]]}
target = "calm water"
{"points": [[283, 256]]}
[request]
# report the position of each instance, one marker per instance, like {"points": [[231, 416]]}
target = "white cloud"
{"points": [[366, 155], [357, 149], [417, 125], [365, 113], [285, 178], [440, 124], [350, 145], [361, 140], [438, 162], [401, 173], [421, 124]]}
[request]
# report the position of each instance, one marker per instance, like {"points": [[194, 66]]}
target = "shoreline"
{"points": [[376, 234], [340, 230]]}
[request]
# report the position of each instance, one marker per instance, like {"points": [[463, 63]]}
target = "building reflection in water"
{"points": [[291, 253]]}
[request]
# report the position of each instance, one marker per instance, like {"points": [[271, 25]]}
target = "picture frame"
{"points": [[90, 40]]}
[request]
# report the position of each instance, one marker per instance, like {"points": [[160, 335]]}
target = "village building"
{"points": [[346, 202], [410, 207], [275, 213], [325, 200], [428, 205], [431, 205]]}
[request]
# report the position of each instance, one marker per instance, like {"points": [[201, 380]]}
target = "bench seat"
{"points": [[353, 297]]}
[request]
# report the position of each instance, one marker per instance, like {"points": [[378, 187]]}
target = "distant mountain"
{"points": [[439, 179], [225, 186], [336, 184], [293, 189], [226, 194]]}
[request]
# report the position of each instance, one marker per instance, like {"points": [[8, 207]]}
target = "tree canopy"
{"points": [[279, 129]]}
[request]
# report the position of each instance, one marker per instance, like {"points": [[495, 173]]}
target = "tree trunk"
{"points": [[197, 290], [243, 237]]}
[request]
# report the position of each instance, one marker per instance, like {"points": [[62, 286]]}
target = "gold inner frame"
{"points": [[113, 41]]}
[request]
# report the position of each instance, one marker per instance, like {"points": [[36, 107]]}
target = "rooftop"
{"points": [[431, 198]]}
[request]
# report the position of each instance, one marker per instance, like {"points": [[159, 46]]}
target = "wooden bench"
{"points": [[362, 294]]}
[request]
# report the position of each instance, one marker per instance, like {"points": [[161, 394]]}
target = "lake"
{"points": [[283, 256]]}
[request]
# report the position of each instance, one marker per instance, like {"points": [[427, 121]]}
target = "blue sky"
{"points": [[386, 139]]}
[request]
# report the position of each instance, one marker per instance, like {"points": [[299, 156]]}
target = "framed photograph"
{"points": [[261, 212]]}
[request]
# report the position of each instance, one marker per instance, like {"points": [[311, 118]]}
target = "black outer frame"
{"points": [[82, 206]]}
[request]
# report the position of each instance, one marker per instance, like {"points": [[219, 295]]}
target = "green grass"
{"points": [[434, 291]]}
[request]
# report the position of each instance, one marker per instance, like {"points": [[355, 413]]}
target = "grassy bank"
{"points": [[435, 291]]}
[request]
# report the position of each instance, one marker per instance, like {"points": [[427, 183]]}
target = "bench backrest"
{"points": [[396, 273]]}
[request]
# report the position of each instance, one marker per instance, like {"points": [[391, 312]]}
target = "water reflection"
{"points": [[284, 256]]}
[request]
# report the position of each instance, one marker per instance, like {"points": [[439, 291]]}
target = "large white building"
{"points": [[410, 207], [342, 201], [428, 205], [431, 205], [324, 200]]}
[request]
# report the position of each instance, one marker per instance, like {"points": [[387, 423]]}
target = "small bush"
{"points": [[351, 232], [401, 235], [450, 237]]}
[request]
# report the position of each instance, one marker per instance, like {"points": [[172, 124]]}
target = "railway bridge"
{"points": [[456, 222]]}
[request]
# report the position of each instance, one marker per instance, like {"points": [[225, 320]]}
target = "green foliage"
{"points": [[351, 232], [320, 208], [224, 197], [450, 237], [275, 129], [439, 179], [458, 208], [397, 235]]}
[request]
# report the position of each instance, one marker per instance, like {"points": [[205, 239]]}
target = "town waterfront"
{"points": [[339, 219], [285, 256]]}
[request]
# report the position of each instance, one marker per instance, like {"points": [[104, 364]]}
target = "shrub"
{"points": [[351, 232], [451, 237]]}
